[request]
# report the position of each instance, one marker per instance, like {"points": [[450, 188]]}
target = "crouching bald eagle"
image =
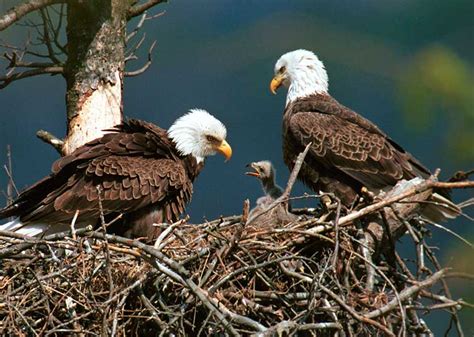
{"points": [[138, 170], [348, 152]]}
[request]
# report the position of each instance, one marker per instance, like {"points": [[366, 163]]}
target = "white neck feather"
{"points": [[304, 85], [307, 81]]}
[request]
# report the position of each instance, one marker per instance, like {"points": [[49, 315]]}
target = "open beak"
{"points": [[276, 82], [252, 174], [225, 150]]}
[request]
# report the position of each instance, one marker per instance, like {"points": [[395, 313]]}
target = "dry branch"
{"points": [[408, 293], [141, 8], [52, 140], [16, 13], [145, 66], [51, 70]]}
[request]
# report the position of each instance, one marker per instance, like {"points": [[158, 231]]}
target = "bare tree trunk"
{"points": [[94, 65], [96, 32]]}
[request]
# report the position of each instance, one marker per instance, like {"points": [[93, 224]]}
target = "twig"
{"points": [[46, 39], [292, 326], [127, 290], [340, 301], [447, 292], [167, 231], [73, 225], [120, 304], [365, 252], [16, 13], [108, 262], [240, 228], [145, 66], [453, 233], [11, 184], [336, 237], [139, 9], [49, 138], [296, 170], [137, 29], [236, 272], [52, 70], [407, 293], [151, 308]]}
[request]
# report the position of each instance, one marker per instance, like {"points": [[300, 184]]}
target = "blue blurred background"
{"points": [[405, 65]]}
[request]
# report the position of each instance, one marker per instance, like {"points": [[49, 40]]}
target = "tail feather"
{"points": [[18, 227], [440, 209], [9, 211], [13, 225]]}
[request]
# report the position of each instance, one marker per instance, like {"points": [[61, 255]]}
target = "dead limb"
{"points": [[16, 13]]}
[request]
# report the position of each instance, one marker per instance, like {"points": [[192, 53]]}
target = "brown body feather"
{"points": [[138, 171], [347, 151]]}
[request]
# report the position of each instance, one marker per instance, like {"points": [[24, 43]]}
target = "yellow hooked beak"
{"points": [[225, 149], [276, 82]]}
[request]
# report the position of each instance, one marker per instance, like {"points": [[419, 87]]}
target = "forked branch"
{"points": [[16, 13]]}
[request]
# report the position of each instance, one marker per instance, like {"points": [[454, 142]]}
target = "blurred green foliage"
{"points": [[437, 81]]}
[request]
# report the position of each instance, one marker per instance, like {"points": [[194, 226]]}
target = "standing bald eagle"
{"points": [[348, 152], [138, 170]]}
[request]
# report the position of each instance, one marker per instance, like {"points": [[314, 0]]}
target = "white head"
{"points": [[302, 72], [200, 134]]}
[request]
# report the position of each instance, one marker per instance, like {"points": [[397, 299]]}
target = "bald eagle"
{"points": [[137, 169], [348, 152]]}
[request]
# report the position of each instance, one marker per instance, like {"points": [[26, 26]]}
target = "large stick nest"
{"points": [[318, 274]]}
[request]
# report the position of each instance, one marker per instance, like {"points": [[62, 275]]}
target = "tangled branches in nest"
{"points": [[315, 275]]}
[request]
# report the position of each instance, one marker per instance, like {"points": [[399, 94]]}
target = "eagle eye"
{"points": [[211, 139], [282, 70]]}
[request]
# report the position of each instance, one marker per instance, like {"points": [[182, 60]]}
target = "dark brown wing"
{"points": [[132, 138], [126, 184], [134, 166], [346, 142]]}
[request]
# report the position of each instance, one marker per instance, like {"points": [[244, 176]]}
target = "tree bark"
{"points": [[96, 32]]}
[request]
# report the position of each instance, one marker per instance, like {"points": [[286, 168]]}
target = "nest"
{"points": [[318, 274], [221, 277]]}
